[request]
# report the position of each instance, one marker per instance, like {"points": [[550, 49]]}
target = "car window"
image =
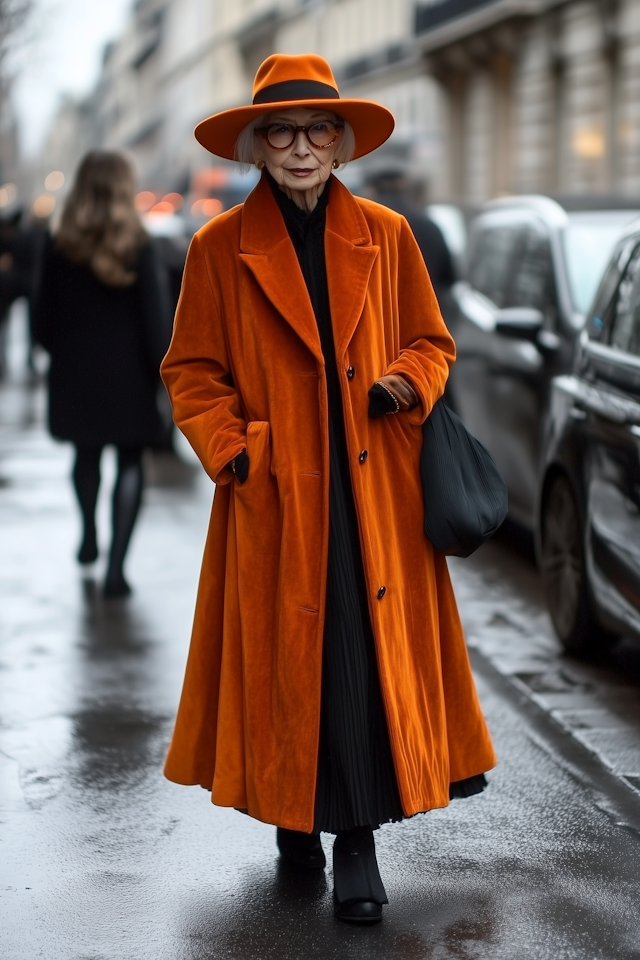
{"points": [[490, 261], [600, 319], [532, 283], [452, 224], [625, 328], [588, 242]]}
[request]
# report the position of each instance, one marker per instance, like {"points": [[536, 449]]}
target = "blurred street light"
{"points": [[210, 178], [161, 207], [144, 200], [43, 206], [206, 208], [54, 181], [8, 193], [175, 199]]}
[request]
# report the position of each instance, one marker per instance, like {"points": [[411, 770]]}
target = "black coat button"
{"points": [[381, 592], [363, 456], [351, 372]]}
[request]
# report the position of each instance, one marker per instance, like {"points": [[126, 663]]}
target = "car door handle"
{"points": [[634, 429], [548, 340], [577, 413]]}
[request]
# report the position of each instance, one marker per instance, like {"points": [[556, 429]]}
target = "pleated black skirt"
{"points": [[357, 784]]}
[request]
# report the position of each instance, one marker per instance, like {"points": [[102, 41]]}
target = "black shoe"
{"points": [[88, 552], [302, 850], [359, 911], [115, 587], [358, 889]]}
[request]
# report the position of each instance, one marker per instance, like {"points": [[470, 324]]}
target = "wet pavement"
{"points": [[595, 700], [103, 859]]}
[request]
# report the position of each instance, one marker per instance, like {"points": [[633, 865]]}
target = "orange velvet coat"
{"points": [[245, 369]]}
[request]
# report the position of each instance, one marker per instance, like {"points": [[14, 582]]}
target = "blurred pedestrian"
{"points": [[18, 268], [8, 227], [391, 187], [103, 315], [328, 686]]}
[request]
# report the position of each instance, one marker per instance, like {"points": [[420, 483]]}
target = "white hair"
{"points": [[247, 149]]}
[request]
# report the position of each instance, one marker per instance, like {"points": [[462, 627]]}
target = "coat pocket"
{"points": [[258, 449], [257, 533]]}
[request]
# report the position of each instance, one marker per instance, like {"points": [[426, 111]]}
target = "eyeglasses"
{"points": [[321, 134]]}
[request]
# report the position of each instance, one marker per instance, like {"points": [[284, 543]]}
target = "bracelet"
{"points": [[393, 397]]}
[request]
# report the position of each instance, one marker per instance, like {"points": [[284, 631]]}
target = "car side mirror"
{"points": [[519, 323]]}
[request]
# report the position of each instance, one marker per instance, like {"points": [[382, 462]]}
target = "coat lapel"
{"points": [[350, 257], [268, 252]]}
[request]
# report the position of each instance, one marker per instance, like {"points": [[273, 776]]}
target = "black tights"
{"points": [[127, 495]]}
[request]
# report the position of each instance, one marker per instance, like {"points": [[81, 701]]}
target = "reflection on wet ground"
{"points": [[103, 859]]}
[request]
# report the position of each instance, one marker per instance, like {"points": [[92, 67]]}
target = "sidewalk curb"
{"points": [[611, 792]]}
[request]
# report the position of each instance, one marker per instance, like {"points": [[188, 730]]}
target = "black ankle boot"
{"points": [[116, 587], [358, 889], [88, 552], [301, 849]]}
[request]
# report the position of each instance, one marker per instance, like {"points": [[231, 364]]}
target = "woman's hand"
{"points": [[401, 389], [240, 466], [391, 394]]}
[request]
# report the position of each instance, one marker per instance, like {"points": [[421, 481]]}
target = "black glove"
{"points": [[380, 402], [241, 466]]}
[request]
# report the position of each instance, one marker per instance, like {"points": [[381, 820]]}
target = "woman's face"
{"points": [[301, 166]]}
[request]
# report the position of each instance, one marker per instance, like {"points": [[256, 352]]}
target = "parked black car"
{"points": [[533, 266], [589, 505]]}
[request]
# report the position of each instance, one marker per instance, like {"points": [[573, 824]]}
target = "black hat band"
{"points": [[296, 90]]}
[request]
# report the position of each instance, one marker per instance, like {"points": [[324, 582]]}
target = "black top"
{"points": [[356, 778], [106, 345]]}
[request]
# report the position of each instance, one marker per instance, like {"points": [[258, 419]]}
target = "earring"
{"points": [[335, 164], [260, 164]]}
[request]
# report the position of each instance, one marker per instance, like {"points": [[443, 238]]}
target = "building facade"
{"points": [[490, 96], [540, 96]]}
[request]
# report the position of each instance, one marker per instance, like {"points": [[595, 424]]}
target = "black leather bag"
{"points": [[465, 498]]}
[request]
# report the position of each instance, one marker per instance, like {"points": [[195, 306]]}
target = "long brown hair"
{"points": [[100, 226]]}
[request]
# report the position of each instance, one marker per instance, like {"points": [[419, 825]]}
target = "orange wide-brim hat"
{"points": [[283, 82]]}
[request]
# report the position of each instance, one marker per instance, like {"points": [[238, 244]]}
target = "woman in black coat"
{"points": [[103, 316]]}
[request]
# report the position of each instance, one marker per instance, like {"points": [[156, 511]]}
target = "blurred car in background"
{"points": [[533, 266], [454, 220], [589, 507]]}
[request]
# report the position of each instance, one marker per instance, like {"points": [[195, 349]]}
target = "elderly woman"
{"points": [[328, 686]]}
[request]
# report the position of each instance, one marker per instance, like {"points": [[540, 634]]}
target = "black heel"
{"points": [[302, 850], [358, 889], [88, 552]]}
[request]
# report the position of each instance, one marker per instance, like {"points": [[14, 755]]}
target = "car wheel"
{"points": [[564, 574]]}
